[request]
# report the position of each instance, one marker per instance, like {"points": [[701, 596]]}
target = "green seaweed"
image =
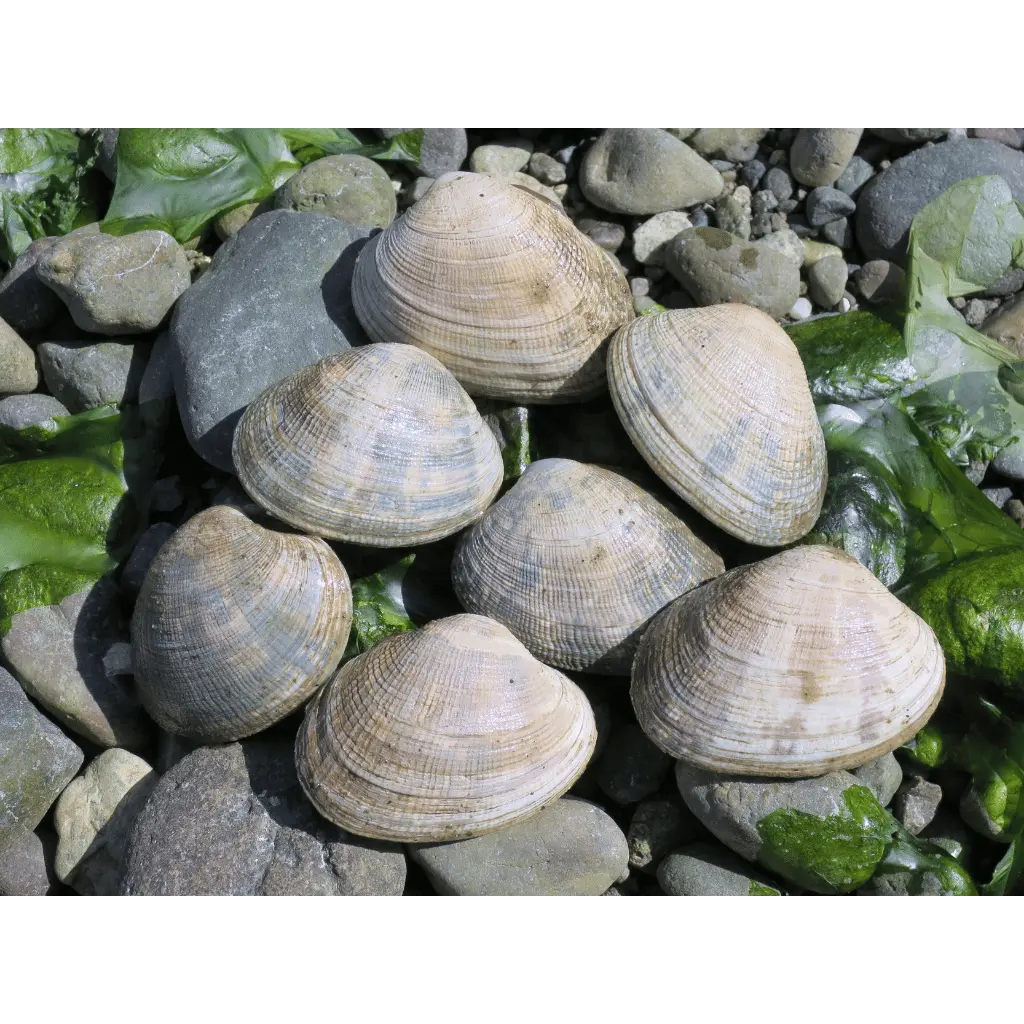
{"points": [[378, 609]]}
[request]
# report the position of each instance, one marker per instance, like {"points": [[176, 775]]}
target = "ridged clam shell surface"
{"points": [[575, 560], [444, 733], [716, 400], [795, 666], [377, 445], [236, 625], [500, 285]]}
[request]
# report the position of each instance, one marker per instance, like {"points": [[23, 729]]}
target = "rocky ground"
{"points": [[96, 799]]}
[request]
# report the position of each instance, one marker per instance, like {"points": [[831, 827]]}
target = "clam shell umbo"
{"points": [[795, 666], [717, 401], [377, 445], [444, 733], [236, 626], [575, 560], [498, 284]]}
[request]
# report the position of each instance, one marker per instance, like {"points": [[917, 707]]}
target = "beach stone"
{"points": [[706, 870], [735, 144], [787, 242], [116, 284], [546, 169], [157, 381], [879, 281], [1012, 137], [916, 803], [631, 767], [94, 817], [570, 848], [644, 171], [819, 155], [908, 136], [882, 776], [501, 158], [84, 375], [231, 222], [442, 149], [25, 302], [839, 233], [779, 185], [999, 496], [732, 214], [26, 864], [826, 204], [891, 200], [417, 190], [18, 372], [857, 173], [715, 267], [801, 310], [353, 189], [20, 411], [1006, 325], [57, 653], [826, 280], [815, 251], [609, 236], [36, 760], [657, 828], [650, 237], [233, 820], [146, 549], [276, 298]]}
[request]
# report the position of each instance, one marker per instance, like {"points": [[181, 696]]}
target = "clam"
{"points": [[500, 285], [236, 626], [448, 732], [377, 445], [575, 560], [717, 401], [795, 666]]}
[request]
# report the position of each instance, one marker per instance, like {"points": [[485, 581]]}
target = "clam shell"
{"points": [[717, 401], [575, 560], [236, 625], [795, 666], [500, 285], [377, 445], [444, 733]]}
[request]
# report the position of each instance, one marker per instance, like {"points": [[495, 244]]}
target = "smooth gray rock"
{"points": [[651, 237], [999, 496], [891, 200], [26, 865], [276, 298], [973, 812], [715, 266], [353, 189], [94, 817], [857, 173], [882, 776], [501, 158], [826, 204], [730, 806], [657, 828], [607, 235], [735, 144], [732, 215], [880, 281], [839, 233], [232, 221], [1012, 137], [106, 160], [826, 280], [233, 820], [36, 760], [819, 155], [645, 170], [908, 136], [83, 375], [546, 169], [778, 183], [19, 411], [706, 870], [116, 284], [157, 381], [57, 652], [443, 149], [146, 549], [916, 803], [26, 303], [571, 848], [631, 767], [948, 831], [18, 371]]}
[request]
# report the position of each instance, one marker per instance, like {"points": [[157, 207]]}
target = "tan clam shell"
{"points": [[499, 285], [236, 626], [377, 445], [717, 401], [795, 666], [575, 560], [448, 732]]}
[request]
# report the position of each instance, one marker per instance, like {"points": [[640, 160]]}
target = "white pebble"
{"points": [[801, 309]]}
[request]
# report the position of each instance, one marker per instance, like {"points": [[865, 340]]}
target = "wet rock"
{"points": [[353, 189]]}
